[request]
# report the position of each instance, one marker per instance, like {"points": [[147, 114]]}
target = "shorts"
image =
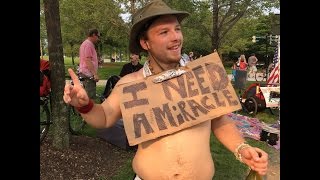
{"points": [[253, 68], [90, 87]]}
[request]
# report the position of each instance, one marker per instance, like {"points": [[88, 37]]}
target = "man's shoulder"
{"points": [[87, 43]]}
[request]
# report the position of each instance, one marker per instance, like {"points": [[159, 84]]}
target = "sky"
{"points": [[275, 11], [126, 16]]}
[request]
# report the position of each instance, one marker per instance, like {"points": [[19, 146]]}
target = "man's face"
{"points": [[134, 59], [164, 39], [96, 38]]}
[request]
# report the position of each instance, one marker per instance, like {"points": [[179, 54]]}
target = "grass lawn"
{"points": [[226, 166], [108, 69]]}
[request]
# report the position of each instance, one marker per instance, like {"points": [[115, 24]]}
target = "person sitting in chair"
{"points": [[132, 66], [128, 68]]}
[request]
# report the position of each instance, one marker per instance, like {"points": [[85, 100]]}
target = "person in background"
{"points": [[88, 66], [128, 68], [184, 154], [252, 61], [184, 58], [191, 56], [233, 70], [132, 66], [242, 62]]}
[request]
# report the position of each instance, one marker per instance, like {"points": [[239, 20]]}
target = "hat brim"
{"points": [[134, 44]]}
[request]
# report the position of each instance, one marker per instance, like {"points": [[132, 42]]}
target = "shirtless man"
{"points": [[186, 153]]}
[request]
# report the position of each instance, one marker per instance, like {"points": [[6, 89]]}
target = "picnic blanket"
{"points": [[252, 127]]}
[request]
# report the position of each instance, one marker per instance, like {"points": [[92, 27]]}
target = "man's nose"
{"points": [[175, 35]]}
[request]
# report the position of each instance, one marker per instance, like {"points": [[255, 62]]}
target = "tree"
{"points": [[215, 18], [77, 16], [226, 14], [55, 48], [43, 33]]}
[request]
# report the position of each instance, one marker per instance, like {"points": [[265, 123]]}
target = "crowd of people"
{"points": [[181, 155]]}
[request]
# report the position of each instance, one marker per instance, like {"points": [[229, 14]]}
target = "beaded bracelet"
{"points": [[85, 109], [238, 149]]}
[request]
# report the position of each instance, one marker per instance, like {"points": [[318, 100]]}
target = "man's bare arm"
{"points": [[226, 132], [106, 114], [89, 64]]}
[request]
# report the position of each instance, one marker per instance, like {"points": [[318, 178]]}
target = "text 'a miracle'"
{"points": [[197, 95]]}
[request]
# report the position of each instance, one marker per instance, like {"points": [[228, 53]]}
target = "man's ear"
{"points": [[144, 44]]}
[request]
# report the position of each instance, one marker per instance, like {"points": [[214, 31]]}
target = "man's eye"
{"points": [[163, 32]]}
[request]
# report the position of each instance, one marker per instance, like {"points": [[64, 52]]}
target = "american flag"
{"points": [[274, 76]]}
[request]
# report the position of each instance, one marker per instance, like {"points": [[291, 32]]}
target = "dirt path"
{"points": [[87, 158]]}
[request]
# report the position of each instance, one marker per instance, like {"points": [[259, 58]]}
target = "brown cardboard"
{"points": [[151, 110]]}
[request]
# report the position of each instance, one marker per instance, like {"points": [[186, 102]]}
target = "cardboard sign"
{"points": [[202, 93]]}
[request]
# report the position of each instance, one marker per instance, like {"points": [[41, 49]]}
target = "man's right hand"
{"points": [[75, 94], [96, 77]]}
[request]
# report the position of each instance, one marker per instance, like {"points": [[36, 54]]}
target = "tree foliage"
{"points": [[211, 24], [78, 16]]}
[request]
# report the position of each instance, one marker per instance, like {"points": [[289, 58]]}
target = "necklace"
{"points": [[148, 70], [152, 70]]}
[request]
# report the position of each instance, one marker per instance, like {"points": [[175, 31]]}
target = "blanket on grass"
{"points": [[252, 127]]}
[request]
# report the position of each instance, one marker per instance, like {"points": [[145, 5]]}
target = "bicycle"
{"points": [[45, 118], [256, 99], [248, 105], [76, 122]]}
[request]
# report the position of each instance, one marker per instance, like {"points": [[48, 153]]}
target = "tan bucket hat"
{"points": [[143, 15]]}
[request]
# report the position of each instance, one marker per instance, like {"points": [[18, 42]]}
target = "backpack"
{"points": [[112, 81], [45, 86]]}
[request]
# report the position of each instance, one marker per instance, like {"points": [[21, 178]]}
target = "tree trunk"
{"points": [[55, 48], [215, 21], [72, 54]]}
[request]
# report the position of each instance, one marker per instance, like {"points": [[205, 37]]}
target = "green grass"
{"points": [[108, 69], [125, 172], [112, 68], [88, 130], [226, 166]]}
